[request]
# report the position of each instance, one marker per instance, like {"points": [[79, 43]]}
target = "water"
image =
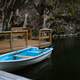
{"points": [[64, 64]]}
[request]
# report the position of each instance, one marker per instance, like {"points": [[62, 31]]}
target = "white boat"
{"points": [[20, 58]]}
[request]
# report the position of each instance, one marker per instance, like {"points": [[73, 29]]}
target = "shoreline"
{"points": [[66, 35]]}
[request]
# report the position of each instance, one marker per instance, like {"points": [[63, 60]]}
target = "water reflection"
{"points": [[37, 71], [69, 43], [67, 59]]}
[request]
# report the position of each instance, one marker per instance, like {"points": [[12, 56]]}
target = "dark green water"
{"points": [[64, 63]]}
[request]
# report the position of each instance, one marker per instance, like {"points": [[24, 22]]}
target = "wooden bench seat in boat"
{"points": [[20, 56]]}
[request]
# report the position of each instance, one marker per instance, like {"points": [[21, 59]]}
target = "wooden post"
{"points": [[11, 41], [51, 36], [39, 38], [30, 34], [26, 37]]}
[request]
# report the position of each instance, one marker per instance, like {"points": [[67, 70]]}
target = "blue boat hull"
{"points": [[16, 64]]}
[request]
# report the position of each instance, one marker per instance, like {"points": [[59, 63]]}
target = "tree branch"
{"points": [[8, 5]]}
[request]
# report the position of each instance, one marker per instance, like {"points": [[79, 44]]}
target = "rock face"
{"points": [[64, 15]]}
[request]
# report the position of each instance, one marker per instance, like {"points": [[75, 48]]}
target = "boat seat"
{"points": [[20, 56]]}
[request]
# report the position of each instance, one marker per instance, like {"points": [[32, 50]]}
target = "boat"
{"points": [[24, 57]]}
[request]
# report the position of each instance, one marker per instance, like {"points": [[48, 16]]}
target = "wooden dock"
{"points": [[10, 76], [19, 39], [20, 44]]}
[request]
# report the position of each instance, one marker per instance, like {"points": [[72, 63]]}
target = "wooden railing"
{"points": [[11, 37], [44, 39]]}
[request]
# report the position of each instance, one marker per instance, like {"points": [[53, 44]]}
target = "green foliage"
{"points": [[35, 33]]}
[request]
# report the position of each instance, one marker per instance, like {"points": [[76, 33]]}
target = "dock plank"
{"points": [[10, 76]]}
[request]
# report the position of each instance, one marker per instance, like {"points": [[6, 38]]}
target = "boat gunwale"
{"points": [[24, 59]]}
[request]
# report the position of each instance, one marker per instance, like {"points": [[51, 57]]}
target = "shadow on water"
{"points": [[67, 58], [64, 64], [36, 71]]}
